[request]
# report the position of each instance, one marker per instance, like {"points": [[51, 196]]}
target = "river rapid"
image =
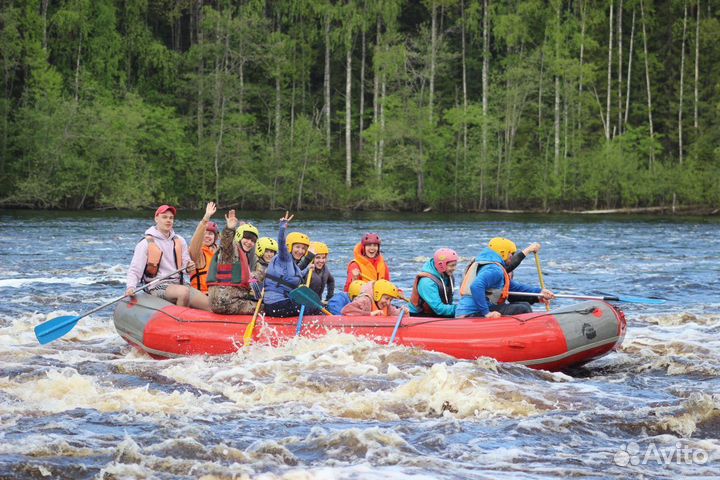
{"points": [[339, 407]]}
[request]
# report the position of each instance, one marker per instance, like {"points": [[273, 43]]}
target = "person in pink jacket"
{"points": [[375, 299], [161, 252]]}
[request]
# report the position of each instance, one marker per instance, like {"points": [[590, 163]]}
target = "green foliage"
{"points": [[110, 104]]}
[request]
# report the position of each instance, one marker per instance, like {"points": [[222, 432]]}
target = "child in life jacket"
{"points": [[321, 277], [375, 299], [432, 293], [368, 264], [203, 246]]}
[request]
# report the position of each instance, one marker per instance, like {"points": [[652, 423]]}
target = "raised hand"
{"points": [[210, 210], [231, 220], [287, 217]]}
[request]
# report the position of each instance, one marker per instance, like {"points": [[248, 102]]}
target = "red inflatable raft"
{"points": [[555, 340]]}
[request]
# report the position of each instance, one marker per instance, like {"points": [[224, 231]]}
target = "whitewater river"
{"points": [[89, 406]]}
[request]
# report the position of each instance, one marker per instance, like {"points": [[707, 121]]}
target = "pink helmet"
{"points": [[370, 238], [211, 227], [442, 257]]}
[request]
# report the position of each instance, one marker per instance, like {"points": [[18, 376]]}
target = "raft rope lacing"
{"points": [[582, 311]]}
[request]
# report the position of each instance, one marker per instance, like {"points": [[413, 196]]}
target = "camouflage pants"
{"points": [[231, 301]]}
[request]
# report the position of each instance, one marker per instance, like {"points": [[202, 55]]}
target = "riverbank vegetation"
{"points": [[368, 104]]}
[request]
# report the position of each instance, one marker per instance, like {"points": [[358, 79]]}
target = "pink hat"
{"points": [[165, 208], [211, 227]]}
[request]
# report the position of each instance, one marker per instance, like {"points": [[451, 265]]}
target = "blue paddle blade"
{"points": [[53, 329], [307, 297], [647, 301]]}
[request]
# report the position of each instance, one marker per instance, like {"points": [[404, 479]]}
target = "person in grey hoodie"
{"points": [[161, 252]]}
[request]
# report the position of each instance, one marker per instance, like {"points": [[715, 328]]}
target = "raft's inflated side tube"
{"points": [[554, 340]]}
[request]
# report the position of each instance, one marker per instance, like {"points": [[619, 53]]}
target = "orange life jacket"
{"points": [[235, 274], [199, 278], [445, 295], [371, 269], [471, 273], [154, 255]]}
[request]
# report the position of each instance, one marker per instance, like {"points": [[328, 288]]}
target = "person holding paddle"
{"points": [[161, 252], [486, 286], [285, 272]]}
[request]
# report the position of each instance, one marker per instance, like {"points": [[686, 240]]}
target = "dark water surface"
{"points": [[89, 406]]}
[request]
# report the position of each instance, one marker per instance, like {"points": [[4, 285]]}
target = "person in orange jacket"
{"points": [[203, 246], [368, 264]]}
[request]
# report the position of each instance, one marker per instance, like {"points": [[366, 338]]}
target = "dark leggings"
{"points": [[514, 308], [286, 308]]}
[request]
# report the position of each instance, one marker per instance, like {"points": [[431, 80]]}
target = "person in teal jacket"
{"points": [[487, 284], [432, 293]]}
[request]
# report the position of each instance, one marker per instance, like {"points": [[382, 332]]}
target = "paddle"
{"points": [[305, 296], [540, 276], [607, 298], [247, 336], [298, 329], [53, 329], [397, 326]]}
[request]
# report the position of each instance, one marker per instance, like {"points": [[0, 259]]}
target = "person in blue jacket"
{"points": [[339, 300], [286, 272], [486, 286], [432, 293]]}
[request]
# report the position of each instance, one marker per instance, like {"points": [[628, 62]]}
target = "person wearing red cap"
{"points": [[369, 264], [203, 246], [161, 252]]}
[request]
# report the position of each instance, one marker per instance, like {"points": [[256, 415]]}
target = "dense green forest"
{"points": [[366, 104]]}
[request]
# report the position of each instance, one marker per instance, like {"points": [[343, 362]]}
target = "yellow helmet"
{"points": [[320, 248], [297, 237], [355, 288], [246, 228], [265, 243], [384, 287], [503, 247]]}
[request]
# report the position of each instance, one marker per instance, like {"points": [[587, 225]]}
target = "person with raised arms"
{"points": [[368, 264], [229, 275], [432, 293], [203, 246], [286, 272], [160, 253], [375, 299], [485, 288]]}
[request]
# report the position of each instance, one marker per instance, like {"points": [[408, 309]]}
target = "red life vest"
{"points": [[235, 274], [418, 302]]}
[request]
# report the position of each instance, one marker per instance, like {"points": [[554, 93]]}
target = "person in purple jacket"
{"points": [[161, 252]]}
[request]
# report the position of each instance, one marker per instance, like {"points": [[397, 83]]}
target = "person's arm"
{"points": [[519, 256], [428, 290], [227, 237], [487, 276], [353, 273], [306, 261], [360, 306], [283, 252], [330, 285], [196, 242], [137, 266]]}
